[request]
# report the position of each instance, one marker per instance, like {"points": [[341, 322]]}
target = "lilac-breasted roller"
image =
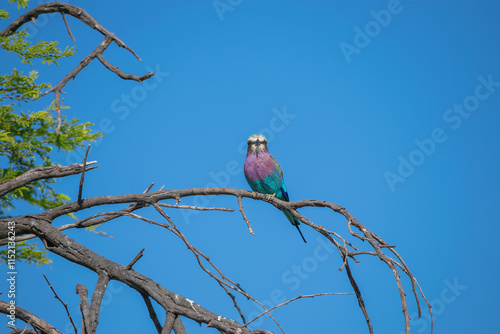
{"points": [[264, 175]]}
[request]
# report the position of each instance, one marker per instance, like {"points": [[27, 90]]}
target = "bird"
{"points": [[264, 175]]}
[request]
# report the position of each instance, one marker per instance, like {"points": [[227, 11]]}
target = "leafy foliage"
{"points": [[20, 3], [26, 141], [27, 138], [48, 52], [27, 252]]}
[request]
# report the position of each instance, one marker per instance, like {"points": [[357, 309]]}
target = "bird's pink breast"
{"points": [[258, 166]]}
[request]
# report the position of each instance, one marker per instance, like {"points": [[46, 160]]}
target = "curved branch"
{"points": [[30, 318], [120, 73], [64, 8], [82, 15], [43, 173]]}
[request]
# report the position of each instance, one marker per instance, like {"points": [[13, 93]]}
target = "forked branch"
{"points": [[83, 16]]}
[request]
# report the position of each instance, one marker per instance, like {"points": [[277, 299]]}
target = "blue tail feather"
{"points": [[295, 222]]}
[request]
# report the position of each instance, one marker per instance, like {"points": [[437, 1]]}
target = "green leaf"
{"points": [[25, 252], [3, 14], [20, 3]]}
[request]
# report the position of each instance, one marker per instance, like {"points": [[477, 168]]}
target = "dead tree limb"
{"points": [[43, 173], [152, 314], [63, 303], [82, 15], [30, 318], [97, 296], [40, 225], [82, 177]]}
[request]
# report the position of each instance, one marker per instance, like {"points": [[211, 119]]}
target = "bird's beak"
{"points": [[258, 147]]}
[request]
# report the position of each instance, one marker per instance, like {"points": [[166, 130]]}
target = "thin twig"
{"points": [[149, 188], [120, 73], [136, 258], [354, 233], [293, 299], [25, 328], [64, 304], [223, 278], [190, 207], [67, 27], [90, 221], [342, 239], [361, 302], [83, 176], [245, 216]]}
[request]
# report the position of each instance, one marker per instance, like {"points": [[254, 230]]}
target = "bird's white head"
{"points": [[257, 143]]}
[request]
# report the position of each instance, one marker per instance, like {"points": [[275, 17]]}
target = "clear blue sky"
{"points": [[390, 109]]}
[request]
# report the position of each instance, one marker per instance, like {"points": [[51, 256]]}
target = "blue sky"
{"points": [[388, 108]]}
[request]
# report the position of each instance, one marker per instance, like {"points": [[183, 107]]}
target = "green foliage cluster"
{"points": [[28, 137], [27, 252]]}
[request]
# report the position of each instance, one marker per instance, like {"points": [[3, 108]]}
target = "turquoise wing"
{"points": [[284, 192]]}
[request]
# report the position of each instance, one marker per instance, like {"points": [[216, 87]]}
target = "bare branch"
{"points": [[224, 282], [64, 8], [22, 331], [116, 70], [64, 304], [67, 28], [355, 287], [197, 254], [42, 173], [173, 322], [83, 293], [245, 216], [169, 323], [71, 75], [97, 296], [191, 207], [149, 188], [293, 299], [82, 15], [152, 313], [29, 318], [87, 222], [82, 178], [178, 326], [136, 258]]}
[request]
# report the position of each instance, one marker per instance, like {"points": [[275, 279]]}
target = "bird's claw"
{"points": [[269, 196]]}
